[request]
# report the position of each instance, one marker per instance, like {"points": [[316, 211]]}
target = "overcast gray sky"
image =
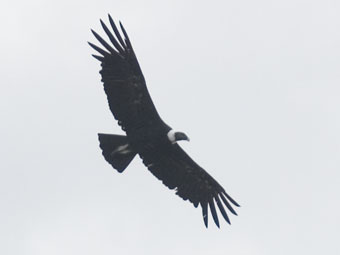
{"points": [[255, 85]]}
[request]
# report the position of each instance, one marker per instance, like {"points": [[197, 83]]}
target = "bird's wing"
{"points": [[178, 171], [124, 83]]}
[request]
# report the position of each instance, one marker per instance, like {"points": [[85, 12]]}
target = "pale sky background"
{"points": [[254, 84]]}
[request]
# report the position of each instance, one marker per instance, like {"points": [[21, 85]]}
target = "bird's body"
{"points": [[146, 133]]}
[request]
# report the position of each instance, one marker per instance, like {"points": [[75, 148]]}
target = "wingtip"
{"points": [[121, 27], [231, 199], [99, 58], [235, 203], [91, 44], [217, 224], [110, 18], [227, 204], [214, 213], [96, 48], [205, 221], [93, 32], [222, 210], [205, 213]]}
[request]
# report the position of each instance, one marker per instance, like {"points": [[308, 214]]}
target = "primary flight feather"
{"points": [[146, 133]]}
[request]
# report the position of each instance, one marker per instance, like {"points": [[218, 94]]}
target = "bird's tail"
{"points": [[116, 150]]}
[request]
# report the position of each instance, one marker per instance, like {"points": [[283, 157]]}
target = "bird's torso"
{"points": [[147, 138]]}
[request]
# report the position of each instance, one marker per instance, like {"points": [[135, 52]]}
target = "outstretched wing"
{"points": [[124, 83], [178, 171]]}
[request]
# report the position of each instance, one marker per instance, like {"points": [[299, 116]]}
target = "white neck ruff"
{"points": [[171, 136]]}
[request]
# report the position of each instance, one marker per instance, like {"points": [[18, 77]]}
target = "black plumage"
{"points": [[146, 133]]}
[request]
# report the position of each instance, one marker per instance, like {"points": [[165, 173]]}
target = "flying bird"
{"points": [[146, 133]]}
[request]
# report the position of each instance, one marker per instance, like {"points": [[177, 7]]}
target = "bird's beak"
{"points": [[181, 136]]}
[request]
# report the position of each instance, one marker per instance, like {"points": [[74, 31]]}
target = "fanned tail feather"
{"points": [[116, 150]]}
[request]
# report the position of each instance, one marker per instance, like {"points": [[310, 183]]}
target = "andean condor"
{"points": [[146, 133]]}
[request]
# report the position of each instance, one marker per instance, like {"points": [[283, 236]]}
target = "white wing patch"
{"points": [[123, 149]]}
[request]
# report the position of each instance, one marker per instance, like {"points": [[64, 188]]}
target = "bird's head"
{"points": [[174, 136]]}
